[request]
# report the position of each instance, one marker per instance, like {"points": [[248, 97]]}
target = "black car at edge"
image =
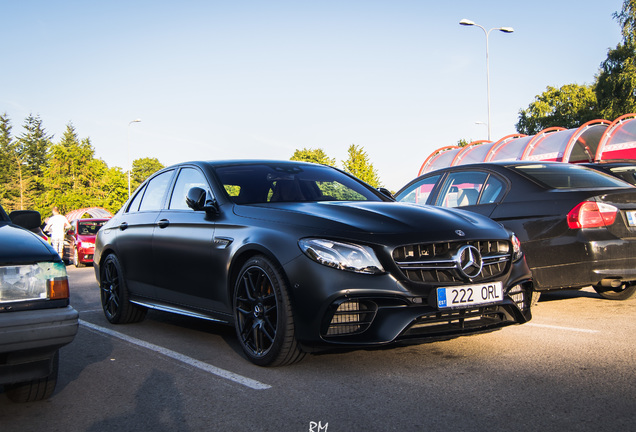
{"points": [[36, 319], [300, 257]]}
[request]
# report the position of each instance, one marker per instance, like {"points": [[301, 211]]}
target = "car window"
{"points": [[462, 189], [187, 179], [492, 190], [418, 192], [155, 191], [627, 173], [134, 204], [568, 176]]}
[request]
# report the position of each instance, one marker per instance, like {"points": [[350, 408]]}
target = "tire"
{"points": [[35, 390], [76, 260], [263, 315], [114, 295], [624, 292]]}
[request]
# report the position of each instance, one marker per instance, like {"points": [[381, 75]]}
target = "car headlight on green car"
{"points": [[39, 281], [343, 256]]}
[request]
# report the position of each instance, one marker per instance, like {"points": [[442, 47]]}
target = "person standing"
{"points": [[56, 226]]}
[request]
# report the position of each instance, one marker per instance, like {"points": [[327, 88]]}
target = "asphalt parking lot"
{"points": [[570, 368]]}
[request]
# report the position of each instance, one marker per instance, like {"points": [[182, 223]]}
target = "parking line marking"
{"points": [[563, 328], [239, 379]]}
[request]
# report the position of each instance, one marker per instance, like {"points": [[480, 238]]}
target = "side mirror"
{"points": [[197, 200], [29, 219]]}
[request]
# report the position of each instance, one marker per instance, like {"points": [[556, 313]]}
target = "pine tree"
{"points": [[9, 190], [358, 165], [31, 157], [313, 155]]}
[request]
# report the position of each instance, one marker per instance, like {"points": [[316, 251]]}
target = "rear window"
{"points": [[568, 176], [89, 227], [627, 173]]}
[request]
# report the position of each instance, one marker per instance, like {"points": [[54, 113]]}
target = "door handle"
{"points": [[123, 226], [163, 223]]}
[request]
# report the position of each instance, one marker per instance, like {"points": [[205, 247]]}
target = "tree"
{"points": [[142, 169], [313, 155], [8, 166], [33, 145], [112, 186], [358, 165], [627, 19], [68, 177], [616, 81], [568, 106], [29, 158]]}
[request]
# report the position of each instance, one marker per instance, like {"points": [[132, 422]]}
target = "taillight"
{"points": [[590, 214]]}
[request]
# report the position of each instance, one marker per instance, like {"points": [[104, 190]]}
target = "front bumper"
{"points": [[372, 310], [85, 255], [30, 339]]}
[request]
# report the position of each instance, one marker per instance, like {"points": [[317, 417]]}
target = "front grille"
{"points": [[436, 262]]}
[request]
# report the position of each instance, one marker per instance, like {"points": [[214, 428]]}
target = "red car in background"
{"points": [[79, 244]]}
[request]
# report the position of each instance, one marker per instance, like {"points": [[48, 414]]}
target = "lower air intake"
{"points": [[352, 317]]}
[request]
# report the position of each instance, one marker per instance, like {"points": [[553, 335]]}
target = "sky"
{"points": [[241, 79]]}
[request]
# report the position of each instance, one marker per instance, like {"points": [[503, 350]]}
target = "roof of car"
{"points": [[224, 162]]}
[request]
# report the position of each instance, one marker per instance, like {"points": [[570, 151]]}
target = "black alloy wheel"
{"points": [[625, 291], [114, 295], [263, 315]]}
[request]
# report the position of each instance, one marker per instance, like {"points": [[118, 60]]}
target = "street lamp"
{"points": [[128, 143], [467, 22]]}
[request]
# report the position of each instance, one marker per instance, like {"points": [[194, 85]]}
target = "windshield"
{"points": [[568, 176], [288, 182]]}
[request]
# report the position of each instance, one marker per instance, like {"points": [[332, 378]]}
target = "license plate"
{"points": [[631, 218], [469, 295]]}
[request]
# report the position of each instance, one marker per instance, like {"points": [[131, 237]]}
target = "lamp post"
{"points": [[466, 22], [128, 144]]}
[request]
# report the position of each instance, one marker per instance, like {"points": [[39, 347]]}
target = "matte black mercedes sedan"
{"points": [[577, 226], [300, 256]]}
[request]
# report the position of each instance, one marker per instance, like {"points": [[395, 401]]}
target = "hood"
{"points": [[20, 246], [376, 218]]}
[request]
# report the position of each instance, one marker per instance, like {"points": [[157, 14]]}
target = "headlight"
{"points": [[41, 281], [516, 248], [86, 245], [343, 256]]}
